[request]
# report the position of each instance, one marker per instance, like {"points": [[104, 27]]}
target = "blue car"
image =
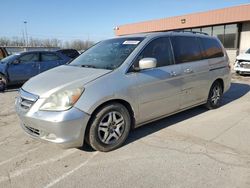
{"points": [[18, 68]]}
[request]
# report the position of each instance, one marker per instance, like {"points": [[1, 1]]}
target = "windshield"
{"points": [[9, 58], [248, 51], [108, 54]]}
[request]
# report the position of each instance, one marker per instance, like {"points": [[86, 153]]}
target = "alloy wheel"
{"points": [[111, 127], [216, 94]]}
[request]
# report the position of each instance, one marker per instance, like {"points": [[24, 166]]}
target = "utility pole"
{"points": [[26, 33]]}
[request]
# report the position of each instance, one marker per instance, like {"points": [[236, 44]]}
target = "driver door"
{"points": [[159, 87], [25, 67]]}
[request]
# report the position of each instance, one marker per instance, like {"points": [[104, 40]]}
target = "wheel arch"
{"points": [[6, 77], [123, 102], [220, 80]]}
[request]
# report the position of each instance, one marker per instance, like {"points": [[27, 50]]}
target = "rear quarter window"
{"points": [[49, 57], [186, 49], [212, 48]]}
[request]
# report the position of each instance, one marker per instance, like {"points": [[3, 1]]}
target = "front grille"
{"points": [[26, 100], [246, 66], [240, 61], [25, 104], [33, 131]]}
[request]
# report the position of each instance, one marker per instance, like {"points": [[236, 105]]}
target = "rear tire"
{"points": [[109, 127], [215, 96], [3, 83]]}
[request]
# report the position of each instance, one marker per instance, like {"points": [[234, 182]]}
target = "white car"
{"points": [[242, 64]]}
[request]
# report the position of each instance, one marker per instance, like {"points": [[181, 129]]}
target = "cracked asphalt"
{"points": [[195, 148]]}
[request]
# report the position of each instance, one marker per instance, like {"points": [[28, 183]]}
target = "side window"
{"points": [[159, 49], [29, 58], [186, 49], [49, 57], [212, 48]]}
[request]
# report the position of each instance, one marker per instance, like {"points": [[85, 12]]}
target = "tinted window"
{"points": [[70, 53], [207, 30], [49, 57], [186, 49], [230, 38], [218, 31], [248, 51], [159, 49], [196, 29], [29, 58], [212, 48]]}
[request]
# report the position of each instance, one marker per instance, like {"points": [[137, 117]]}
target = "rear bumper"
{"points": [[66, 128]]}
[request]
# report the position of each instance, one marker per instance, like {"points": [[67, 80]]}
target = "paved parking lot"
{"points": [[196, 148]]}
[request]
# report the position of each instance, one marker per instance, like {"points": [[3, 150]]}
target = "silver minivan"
{"points": [[122, 83]]}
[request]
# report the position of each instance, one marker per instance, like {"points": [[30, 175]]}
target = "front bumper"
{"points": [[242, 69], [66, 128]]}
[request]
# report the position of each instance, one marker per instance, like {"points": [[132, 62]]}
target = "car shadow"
{"points": [[13, 88], [236, 91]]}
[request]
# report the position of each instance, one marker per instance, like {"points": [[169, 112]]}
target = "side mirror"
{"points": [[15, 62], [147, 63]]}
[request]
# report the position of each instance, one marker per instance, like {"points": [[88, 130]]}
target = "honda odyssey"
{"points": [[122, 83]]}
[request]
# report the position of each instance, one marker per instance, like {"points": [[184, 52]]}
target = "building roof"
{"points": [[215, 17]]}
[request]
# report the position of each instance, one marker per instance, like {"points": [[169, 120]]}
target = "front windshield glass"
{"points": [[9, 58], [108, 54], [248, 51]]}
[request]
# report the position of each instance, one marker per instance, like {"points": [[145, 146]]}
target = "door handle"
{"points": [[188, 71], [173, 73]]}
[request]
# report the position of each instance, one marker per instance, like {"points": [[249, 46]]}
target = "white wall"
{"points": [[245, 37], [232, 55]]}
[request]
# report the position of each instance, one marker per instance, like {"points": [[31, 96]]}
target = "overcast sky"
{"points": [[83, 19]]}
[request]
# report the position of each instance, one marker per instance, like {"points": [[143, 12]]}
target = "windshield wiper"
{"points": [[88, 66]]}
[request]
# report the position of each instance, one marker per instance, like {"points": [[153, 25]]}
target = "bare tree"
{"points": [[78, 44], [34, 42], [4, 41]]}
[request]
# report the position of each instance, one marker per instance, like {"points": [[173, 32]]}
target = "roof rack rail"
{"points": [[194, 32]]}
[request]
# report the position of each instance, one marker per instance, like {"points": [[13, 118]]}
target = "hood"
{"points": [[243, 57], [58, 78]]}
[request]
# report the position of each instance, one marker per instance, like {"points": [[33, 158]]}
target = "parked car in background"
{"points": [[18, 68], [3, 53], [72, 53], [242, 64], [81, 51], [123, 83]]}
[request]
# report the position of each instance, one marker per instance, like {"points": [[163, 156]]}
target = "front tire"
{"points": [[215, 96], [109, 127]]}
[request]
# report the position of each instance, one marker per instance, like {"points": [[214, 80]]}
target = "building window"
{"points": [[196, 29], [230, 38], [207, 30], [218, 31]]}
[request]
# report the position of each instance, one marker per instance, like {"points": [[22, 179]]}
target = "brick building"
{"points": [[231, 25]]}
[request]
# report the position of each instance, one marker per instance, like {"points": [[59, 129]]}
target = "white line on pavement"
{"points": [[10, 159], [37, 165], [71, 172]]}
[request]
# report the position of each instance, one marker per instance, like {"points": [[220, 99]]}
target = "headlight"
{"points": [[62, 100]]}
